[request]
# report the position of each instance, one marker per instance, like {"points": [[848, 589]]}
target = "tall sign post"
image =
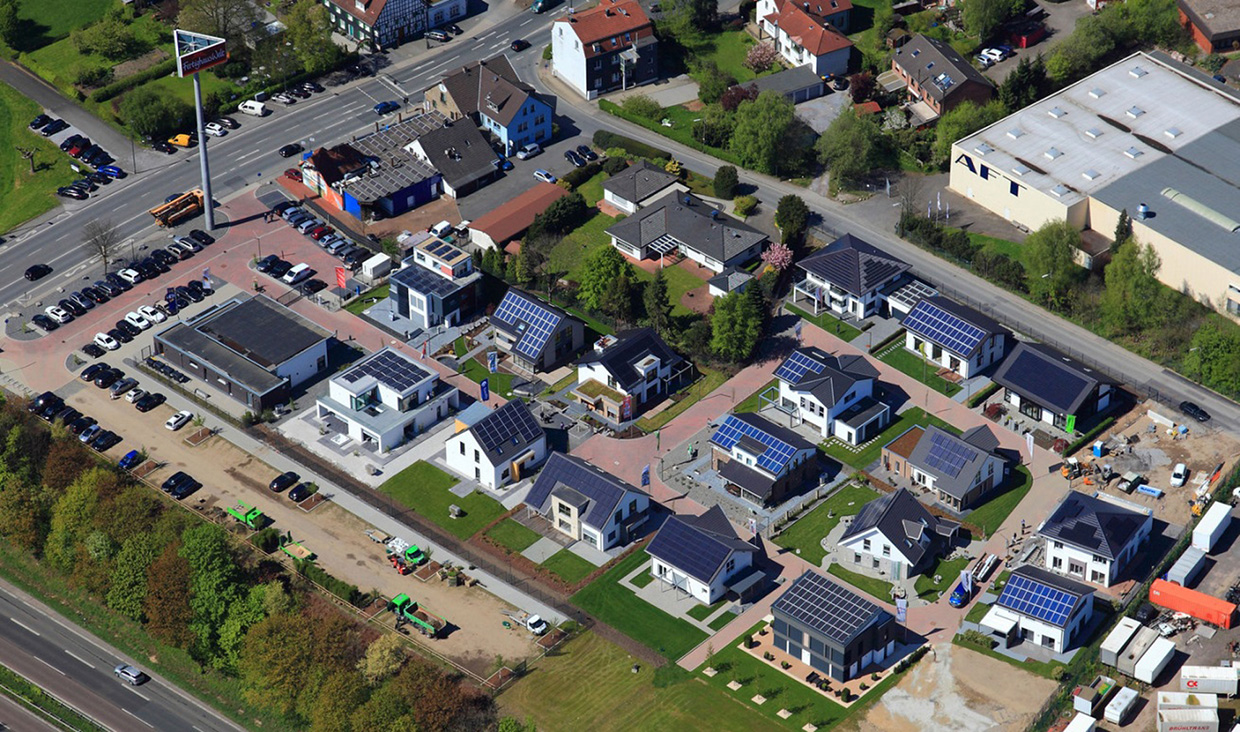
{"points": [[196, 52]]}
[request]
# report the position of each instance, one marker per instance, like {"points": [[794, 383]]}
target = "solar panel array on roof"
{"points": [[445, 251], [773, 459], [689, 550], [796, 366], [511, 423], [947, 455], [944, 328], [1030, 597], [388, 368], [818, 603], [535, 323]]}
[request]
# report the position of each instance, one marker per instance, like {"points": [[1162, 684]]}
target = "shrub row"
{"points": [[956, 244], [577, 176], [1090, 436], [159, 70], [608, 140], [982, 395], [337, 587]]}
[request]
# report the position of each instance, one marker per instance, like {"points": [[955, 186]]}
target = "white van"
{"points": [[441, 229], [297, 274], [249, 106]]}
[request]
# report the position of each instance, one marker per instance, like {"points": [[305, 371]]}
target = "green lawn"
{"points": [[563, 383], [1043, 669], [42, 21], [459, 347], [681, 129], [423, 488], [592, 189], [753, 402], [643, 579], [25, 194], [925, 585], [828, 322], [702, 612], [512, 535], [570, 255], [865, 456], [977, 612], [1013, 249], [609, 601], [679, 281], [807, 532], [500, 382], [721, 621], [917, 367], [695, 392], [990, 515], [876, 588], [367, 299], [568, 566], [727, 50], [607, 696], [60, 62]]}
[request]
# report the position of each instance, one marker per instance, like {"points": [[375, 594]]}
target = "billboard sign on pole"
{"points": [[197, 52]]}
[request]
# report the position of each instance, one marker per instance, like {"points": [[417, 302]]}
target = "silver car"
{"points": [[130, 675]]}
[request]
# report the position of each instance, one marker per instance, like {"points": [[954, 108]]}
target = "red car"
{"points": [[293, 174], [321, 232]]}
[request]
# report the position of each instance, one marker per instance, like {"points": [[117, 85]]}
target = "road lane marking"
{"points": [[140, 694], [79, 659], [140, 719], [24, 627], [45, 663]]}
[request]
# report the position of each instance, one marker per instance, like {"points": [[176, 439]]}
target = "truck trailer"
{"points": [[407, 611]]}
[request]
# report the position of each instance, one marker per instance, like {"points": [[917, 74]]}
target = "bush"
{"points": [[232, 70], [643, 106], [1001, 269], [337, 587], [547, 53], [608, 140], [577, 176], [615, 165], [267, 540], [159, 70], [725, 181], [93, 77], [744, 205]]}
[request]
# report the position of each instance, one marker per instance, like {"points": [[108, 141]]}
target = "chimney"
{"points": [[1143, 211]]}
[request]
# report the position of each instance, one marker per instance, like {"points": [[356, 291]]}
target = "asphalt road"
{"points": [[16, 718], [76, 668]]}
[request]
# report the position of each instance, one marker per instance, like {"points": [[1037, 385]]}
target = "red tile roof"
{"points": [[809, 28], [606, 24], [511, 219]]}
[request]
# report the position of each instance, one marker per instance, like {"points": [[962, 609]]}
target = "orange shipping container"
{"points": [[1197, 604]]}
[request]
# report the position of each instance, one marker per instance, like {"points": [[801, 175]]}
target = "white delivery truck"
{"points": [[256, 108]]}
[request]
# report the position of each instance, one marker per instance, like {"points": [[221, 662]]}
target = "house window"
{"points": [[611, 536], [1059, 545], [730, 566], [876, 562], [565, 526], [886, 550], [1057, 563], [865, 544], [616, 518], [462, 444], [856, 557], [633, 506], [477, 456], [1048, 641], [1100, 560], [1096, 576], [563, 510], [504, 475]]}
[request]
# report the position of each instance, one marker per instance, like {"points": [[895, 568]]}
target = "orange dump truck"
{"points": [[182, 207]]}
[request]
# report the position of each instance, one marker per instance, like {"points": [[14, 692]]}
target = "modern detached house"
{"points": [[1042, 608], [499, 448], [1050, 387], [685, 223], [849, 277], [638, 185], [833, 393], [627, 373], [960, 471], [895, 537], [810, 34], [954, 336], [759, 461], [1093, 538], [831, 628], [704, 557], [587, 503], [536, 334], [610, 46], [437, 283], [491, 95]]}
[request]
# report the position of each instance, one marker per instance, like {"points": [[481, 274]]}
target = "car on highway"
{"points": [[576, 160], [155, 315], [178, 420], [130, 675], [528, 151], [215, 128], [544, 176], [149, 402], [284, 480], [103, 340], [1194, 411], [44, 322], [519, 45], [386, 107], [72, 192], [39, 121], [37, 271], [58, 314], [290, 150], [130, 461]]}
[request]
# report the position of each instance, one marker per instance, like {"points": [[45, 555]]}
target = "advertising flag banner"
{"points": [[340, 277], [646, 475], [486, 389], [492, 361]]}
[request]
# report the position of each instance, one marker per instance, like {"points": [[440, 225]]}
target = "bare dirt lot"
{"points": [[476, 634], [956, 690]]}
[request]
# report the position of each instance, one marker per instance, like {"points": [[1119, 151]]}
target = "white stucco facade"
{"points": [[466, 457]]}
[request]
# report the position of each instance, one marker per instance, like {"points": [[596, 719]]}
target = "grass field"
{"points": [[977, 612], [25, 194], [865, 456], [512, 535], [679, 281], [607, 696], [702, 612], [500, 382], [643, 579], [592, 189], [753, 402], [919, 368], [41, 22], [727, 50], [423, 488], [614, 604], [876, 588], [827, 322], [365, 301], [570, 255], [59, 62], [695, 392], [568, 566], [808, 531], [928, 589], [721, 621], [990, 515]]}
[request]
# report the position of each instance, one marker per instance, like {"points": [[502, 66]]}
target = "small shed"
{"points": [[377, 266], [728, 281]]}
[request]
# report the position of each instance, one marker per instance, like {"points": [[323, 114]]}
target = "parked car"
{"points": [[293, 174], [528, 151], [280, 268], [39, 121], [44, 322], [180, 251], [71, 307], [164, 147], [313, 86], [215, 128], [265, 263], [117, 282], [572, 157], [585, 152], [138, 320], [120, 335], [283, 98], [131, 460], [90, 372], [438, 35], [299, 493], [122, 387], [72, 192], [104, 441], [201, 237], [90, 433], [93, 350], [1179, 474], [544, 176], [149, 402], [107, 378], [59, 315], [284, 481], [135, 395], [56, 125], [984, 61], [1195, 411], [178, 420], [228, 122], [79, 425], [175, 480], [503, 163], [154, 315], [103, 340]]}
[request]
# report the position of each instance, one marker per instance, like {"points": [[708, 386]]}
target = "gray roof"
{"points": [[788, 81], [698, 545], [507, 431], [425, 282], [639, 181], [853, 265], [734, 471], [1095, 525], [837, 375], [597, 492], [730, 279], [460, 153], [1220, 19], [827, 608], [396, 168], [490, 86], [692, 223], [902, 519], [620, 358], [260, 329], [241, 370], [928, 59], [953, 461], [1049, 378]]}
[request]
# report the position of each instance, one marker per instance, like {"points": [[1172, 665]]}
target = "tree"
{"points": [[744, 205], [1050, 267], [213, 584], [151, 113], [861, 87], [562, 216], [8, 21], [1024, 84], [166, 606], [657, 305], [792, 218], [643, 106], [127, 590], [689, 19], [1133, 298], [777, 256], [23, 513], [962, 121], [1079, 53], [309, 29], [714, 126], [712, 82], [761, 135], [736, 327], [274, 657], [736, 94], [229, 19], [617, 300], [695, 339], [1212, 356], [341, 694], [512, 724], [850, 148], [1123, 230], [983, 17], [110, 37], [64, 463], [725, 181], [242, 614], [603, 270], [384, 657], [73, 512], [386, 709], [761, 57], [101, 240]]}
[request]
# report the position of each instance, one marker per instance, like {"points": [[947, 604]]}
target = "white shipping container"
{"points": [[1211, 527], [1083, 723], [377, 266], [1135, 649], [1187, 566], [1180, 700], [1121, 705], [1210, 679], [1115, 641], [1188, 720], [1154, 661]]}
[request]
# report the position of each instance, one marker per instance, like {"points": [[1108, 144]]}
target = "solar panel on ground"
{"points": [[539, 322], [795, 367], [388, 368], [773, 459], [1032, 598], [944, 328]]}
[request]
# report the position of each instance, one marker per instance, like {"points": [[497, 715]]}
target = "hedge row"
{"points": [[337, 587], [1090, 436], [982, 395], [688, 140], [608, 140], [577, 176], [159, 70]]}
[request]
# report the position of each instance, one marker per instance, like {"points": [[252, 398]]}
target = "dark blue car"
{"points": [[386, 107], [131, 459]]}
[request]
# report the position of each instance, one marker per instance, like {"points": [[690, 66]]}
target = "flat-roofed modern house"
{"points": [[1050, 387], [895, 537], [499, 448], [1214, 24], [831, 628], [627, 373], [436, 284], [759, 461], [959, 470], [849, 277], [537, 335], [705, 557], [386, 399], [253, 349], [835, 394], [682, 222], [588, 504], [953, 336]]}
